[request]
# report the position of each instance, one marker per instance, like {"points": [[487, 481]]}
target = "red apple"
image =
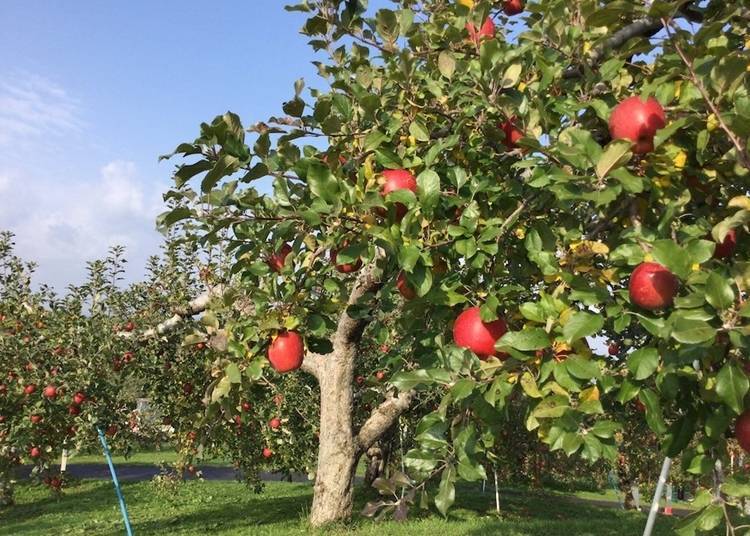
{"points": [[480, 337], [191, 469], [276, 261], [191, 436], [238, 420], [35, 452], [613, 348], [275, 423], [652, 286], [2, 419], [74, 410], [111, 430], [278, 399], [3, 389], [512, 7], [246, 406], [380, 375], [286, 351], [267, 453], [384, 348], [79, 398], [487, 31], [187, 388], [200, 346], [29, 389], [127, 357], [512, 133], [50, 392], [35, 419], [360, 380], [398, 179], [637, 120], [130, 326], [639, 406], [404, 288], [742, 430], [727, 247]]}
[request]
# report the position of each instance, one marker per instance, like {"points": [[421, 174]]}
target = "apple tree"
{"points": [[491, 198]]}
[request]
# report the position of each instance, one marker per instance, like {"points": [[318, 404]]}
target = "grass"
{"points": [[229, 508], [146, 457]]}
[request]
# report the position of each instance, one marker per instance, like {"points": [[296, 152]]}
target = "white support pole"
{"points": [[497, 493], [64, 461], [657, 495]]}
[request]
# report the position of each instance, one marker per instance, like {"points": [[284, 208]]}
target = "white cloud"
{"points": [[32, 107], [62, 222]]}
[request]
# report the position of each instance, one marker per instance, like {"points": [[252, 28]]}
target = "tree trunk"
{"points": [[6, 489], [337, 452]]}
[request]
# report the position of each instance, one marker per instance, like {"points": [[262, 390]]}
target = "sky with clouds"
{"points": [[91, 93]]}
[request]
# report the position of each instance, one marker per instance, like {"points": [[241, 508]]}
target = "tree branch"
{"points": [[382, 418], [349, 330], [738, 143], [312, 363], [194, 307]]}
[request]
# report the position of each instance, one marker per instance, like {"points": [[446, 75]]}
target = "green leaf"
{"points": [[428, 189], [224, 166], [233, 373], [732, 386], [525, 340], [222, 389], [446, 495], [719, 291], [616, 154], [419, 131], [680, 434], [582, 325], [462, 389], [654, 416], [512, 75], [737, 486], [605, 429], [446, 64], [581, 367], [671, 255], [529, 386], [643, 363], [691, 331]]}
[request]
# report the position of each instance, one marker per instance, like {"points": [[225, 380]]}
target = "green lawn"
{"points": [[150, 457], [228, 508]]}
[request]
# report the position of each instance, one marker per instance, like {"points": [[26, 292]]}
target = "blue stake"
{"points": [[123, 508]]}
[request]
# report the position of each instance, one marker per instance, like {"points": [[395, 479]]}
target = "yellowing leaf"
{"points": [[712, 123], [677, 89], [565, 316], [648, 257], [467, 3], [680, 160], [592, 393], [521, 86], [741, 201]]}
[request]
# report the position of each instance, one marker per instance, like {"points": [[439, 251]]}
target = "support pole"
{"points": [[657, 495], [64, 461], [118, 490], [497, 493]]}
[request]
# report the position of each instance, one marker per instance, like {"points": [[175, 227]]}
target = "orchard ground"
{"points": [[225, 508]]}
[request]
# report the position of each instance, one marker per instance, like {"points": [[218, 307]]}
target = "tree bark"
{"points": [[337, 452]]}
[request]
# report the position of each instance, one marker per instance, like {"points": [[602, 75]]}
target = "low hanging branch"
{"points": [[382, 418]]}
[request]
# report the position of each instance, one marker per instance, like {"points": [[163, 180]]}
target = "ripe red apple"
{"points": [[127, 357], [191, 436], [35, 452], [380, 375], [267, 453], [286, 351], [29, 389], [187, 388], [276, 261], [111, 430], [637, 120], [652, 286], [71, 431], [2, 419], [639, 406], [512, 133], [384, 348], [129, 326], [50, 392], [512, 7], [3, 389], [480, 337], [487, 31], [345, 268], [246, 406], [74, 410], [29, 366], [35, 419], [191, 469], [404, 288], [79, 398], [200, 346], [726, 248], [398, 179], [116, 364], [275, 423], [613, 348], [742, 430], [360, 380], [238, 420]]}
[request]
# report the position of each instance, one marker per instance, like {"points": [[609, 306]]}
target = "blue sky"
{"points": [[92, 92]]}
